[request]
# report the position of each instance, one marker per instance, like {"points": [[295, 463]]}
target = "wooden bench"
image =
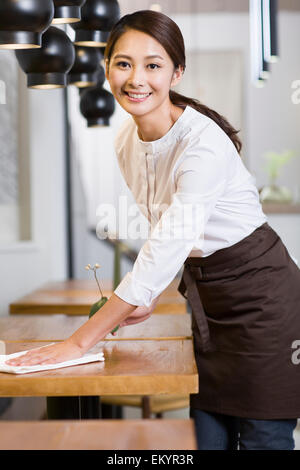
{"points": [[98, 435]]}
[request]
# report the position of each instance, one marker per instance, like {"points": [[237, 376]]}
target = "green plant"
{"points": [[97, 305], [275, 161]]}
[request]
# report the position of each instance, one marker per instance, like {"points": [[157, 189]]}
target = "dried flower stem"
{"points": [[94, 269], [88, 267]]}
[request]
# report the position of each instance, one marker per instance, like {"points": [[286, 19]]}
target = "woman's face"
{"points": [[140, 73]]}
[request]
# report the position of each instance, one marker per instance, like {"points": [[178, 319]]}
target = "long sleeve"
{"points": [[200, 180]]}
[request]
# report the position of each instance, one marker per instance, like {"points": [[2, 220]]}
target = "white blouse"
{"points": [[197, 194]]}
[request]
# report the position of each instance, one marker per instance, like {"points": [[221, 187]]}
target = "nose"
{"points": [[136, 78]]}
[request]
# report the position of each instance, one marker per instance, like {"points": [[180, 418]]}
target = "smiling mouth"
{"points": [[138, 96]]}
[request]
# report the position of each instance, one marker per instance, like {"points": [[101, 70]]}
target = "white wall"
{"points": [[25, 266], [271, 120]]}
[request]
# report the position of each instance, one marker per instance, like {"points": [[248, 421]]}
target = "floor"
{"points": [[34, 408]]}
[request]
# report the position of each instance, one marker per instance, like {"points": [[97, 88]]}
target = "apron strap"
{"points": [[188, 285]]}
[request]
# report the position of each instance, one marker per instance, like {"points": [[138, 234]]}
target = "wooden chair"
{"points": [[149, 404]]}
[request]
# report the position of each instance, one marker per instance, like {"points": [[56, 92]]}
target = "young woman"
{"points": [[242, 285]]}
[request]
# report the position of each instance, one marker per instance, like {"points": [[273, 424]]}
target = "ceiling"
{"points": [[199, 6]]}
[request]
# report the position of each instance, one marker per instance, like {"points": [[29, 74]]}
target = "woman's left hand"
{"points": [[52, 354], [139, 315]]}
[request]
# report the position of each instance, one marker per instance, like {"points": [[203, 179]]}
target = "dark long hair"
{"points": [[167, 33]]}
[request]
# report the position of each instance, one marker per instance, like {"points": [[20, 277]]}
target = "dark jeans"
{"points": [[221, 432]]}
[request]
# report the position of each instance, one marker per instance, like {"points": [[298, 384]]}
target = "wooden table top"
{"points": [[145, 367], [59, 327], [74, 297], [98, 435]]}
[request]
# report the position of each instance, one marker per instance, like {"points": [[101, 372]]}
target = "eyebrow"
{"points": [[118, 56]]}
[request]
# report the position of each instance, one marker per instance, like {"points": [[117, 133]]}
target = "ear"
{"points": [[177, 75]]}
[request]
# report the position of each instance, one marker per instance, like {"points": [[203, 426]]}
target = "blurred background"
{"points": [[48, 204], [56, 168], [48, 207]]}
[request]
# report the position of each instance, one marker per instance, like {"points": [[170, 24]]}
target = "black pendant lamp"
{"points": [[84, 71], [48, 66], [22, 22], [67, 11], [97, 20], [97, 105], [102, 50]]}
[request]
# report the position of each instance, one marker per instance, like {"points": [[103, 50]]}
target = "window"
{"points": [[14, 152]]}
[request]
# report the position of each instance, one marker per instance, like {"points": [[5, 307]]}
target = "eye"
{"points": [[122, 64], [155, 66]]}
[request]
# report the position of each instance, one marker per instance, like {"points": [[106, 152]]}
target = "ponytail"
{"points": [[183, 101]]}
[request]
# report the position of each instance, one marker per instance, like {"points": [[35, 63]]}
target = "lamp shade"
{"points": [[22, 22], [67, 11], [47, 67], [84, 71], [97, 105], [100, 76], [97, 20], [102, 49]]}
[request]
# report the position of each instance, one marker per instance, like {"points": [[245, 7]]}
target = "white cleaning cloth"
{"points": [[26, 369]]}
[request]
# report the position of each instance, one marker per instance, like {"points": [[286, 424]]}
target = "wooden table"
{"points": [[75, 297], [143, 365], [59, 327], [98, 435]]}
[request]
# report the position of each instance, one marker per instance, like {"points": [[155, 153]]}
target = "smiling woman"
{"points": [[185, 153], [137, 95], [164, 43], [141, 82], [241, 283]]}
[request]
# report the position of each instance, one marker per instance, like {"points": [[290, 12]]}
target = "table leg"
{"points": [[146, 408], [90, 408], [111, 411], [73, 407], [63, 408]]}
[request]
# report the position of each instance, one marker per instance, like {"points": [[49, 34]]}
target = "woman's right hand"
{"points": [[50, 354]]}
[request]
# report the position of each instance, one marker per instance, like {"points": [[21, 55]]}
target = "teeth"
{"points": [[132, 95]]}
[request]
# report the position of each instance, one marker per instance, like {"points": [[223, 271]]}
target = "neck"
{"points": [[152, 126]]}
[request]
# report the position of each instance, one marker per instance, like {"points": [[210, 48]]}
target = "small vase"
{"points": [[274, 193]]}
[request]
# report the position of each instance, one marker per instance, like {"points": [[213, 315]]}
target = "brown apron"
{"points": [[245, 302]]}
